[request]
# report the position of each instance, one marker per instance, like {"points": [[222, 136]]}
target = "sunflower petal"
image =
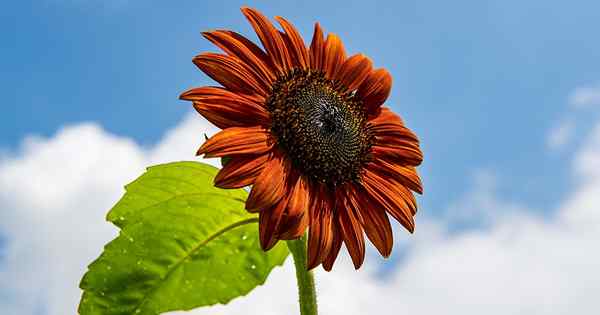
{"points": [[268, 224], [387, 194], [298, 49], [294, 227], [375, 89], [350, 228], [296, 216], [226, 109], [231, 73], [393, 141], [240, 171], [237, 141], [389, 124], [386, 116], [270, 186], [240, 47], [354, 71], [404, 153], [320, 236], [336, 245], [334, 55], [270, 37], [408, 196], [317, 49], [406, 175], [374, 220]]}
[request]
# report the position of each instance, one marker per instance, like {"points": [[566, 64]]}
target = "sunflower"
{"points": [[306, 127]]}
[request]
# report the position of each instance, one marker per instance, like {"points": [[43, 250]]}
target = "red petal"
{"points": [[375, 89], [294, 227], [406, 175], [336, 245], [388, 195], [270, 186], [240, 171], [350, 227], [296, 216], [317, 49], [270, 37], [298, 49], [237, 141], [374, 220], [334, 55], [232, 73], [404, 153], [320, 236], [269, 220], [226, 109], [393, 141], [354, 71], [240, 47]]}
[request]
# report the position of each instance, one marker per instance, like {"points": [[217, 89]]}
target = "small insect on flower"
{"points": [[306, 127]]}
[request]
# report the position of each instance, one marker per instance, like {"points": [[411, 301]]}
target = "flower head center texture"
{"points": [[321, 130]]}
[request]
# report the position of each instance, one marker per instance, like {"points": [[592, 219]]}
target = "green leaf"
{"points": [[225, 160], [183, 244]]}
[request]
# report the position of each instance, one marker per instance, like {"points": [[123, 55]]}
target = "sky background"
{"points": [[504, 95]]}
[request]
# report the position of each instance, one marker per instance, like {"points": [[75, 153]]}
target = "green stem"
{"points": [[306, 281]]}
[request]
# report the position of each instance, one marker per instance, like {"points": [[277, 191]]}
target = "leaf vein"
{"points": [[189, 254]]}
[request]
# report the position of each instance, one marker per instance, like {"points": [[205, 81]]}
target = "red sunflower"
{"points": [[306, 127]]}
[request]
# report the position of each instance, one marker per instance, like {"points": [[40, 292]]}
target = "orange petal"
{"points": [[226, 109], [408, 196], [374, 220], [336, 245], [387, 194], [350, 228], [269, 220], [270, 186], [240, 47], [400, 136], [375, 89], [334, 55], [406, 175], [403, 152], [386, 116], [240, 171], [271, 39], [393, 141], [388, 123], [320, 236], [237, 141], [294, 227], [354, 71], [232, 73], [317, 49], [297, 48], [296, 216]]}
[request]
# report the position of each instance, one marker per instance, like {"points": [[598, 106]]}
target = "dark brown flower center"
{"points": [[321, 130]]}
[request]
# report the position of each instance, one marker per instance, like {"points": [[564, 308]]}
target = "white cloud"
{"points": [[560, 135], [581, 98], [54, 194], [585, 96]]}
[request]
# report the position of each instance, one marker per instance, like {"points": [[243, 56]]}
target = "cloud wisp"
{"points": [[585, 96]]}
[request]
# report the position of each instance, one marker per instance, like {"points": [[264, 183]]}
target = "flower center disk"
{"points": [[319, 128]]}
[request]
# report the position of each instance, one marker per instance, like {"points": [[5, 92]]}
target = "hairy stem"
{"points": [[306, 281]]}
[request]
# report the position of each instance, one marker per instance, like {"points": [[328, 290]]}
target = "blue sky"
{"points": [[482, 83]]}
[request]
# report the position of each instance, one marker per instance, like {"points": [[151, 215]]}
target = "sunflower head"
{"points": [[306, 127]]}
